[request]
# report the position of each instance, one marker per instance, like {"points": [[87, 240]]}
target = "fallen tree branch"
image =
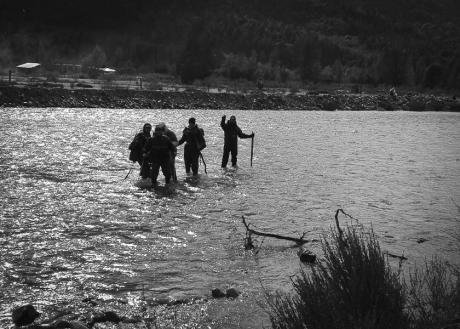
{"points": [[396, 256], [337, 220], [249, 231], [340, 210]]}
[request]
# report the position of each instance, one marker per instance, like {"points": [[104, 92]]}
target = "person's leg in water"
{"points": [[145, 169], [172, 168], [234, 152], [195, 164], [187, 161], [165, 169], [155, 172], [225, 156]]}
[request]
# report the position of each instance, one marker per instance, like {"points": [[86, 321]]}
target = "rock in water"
{"points": [[107, 316], [217, 293], [306, 256], [232, 293], [24, 315], [112, 317]]}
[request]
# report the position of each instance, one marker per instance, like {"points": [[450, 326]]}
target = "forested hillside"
{"points": [[409, 42]]}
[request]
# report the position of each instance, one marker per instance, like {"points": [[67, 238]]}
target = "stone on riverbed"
{"points": [[306, 256], [108, 316], [217, 293], [232, 293], [24, 315]]}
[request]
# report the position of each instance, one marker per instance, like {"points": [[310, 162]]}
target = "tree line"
{"points": [[413, 43]]}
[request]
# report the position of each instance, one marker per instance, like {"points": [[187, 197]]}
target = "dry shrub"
{"points": [[433, 295], [353, 288]]}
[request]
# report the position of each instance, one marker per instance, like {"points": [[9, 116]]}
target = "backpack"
{"points": [[135, 148]]}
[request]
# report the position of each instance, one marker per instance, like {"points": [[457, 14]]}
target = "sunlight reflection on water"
{"points": [[72, 226]]}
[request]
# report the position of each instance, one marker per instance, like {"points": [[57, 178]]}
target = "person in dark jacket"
{"points": [[158, 152], [231, 134], [193, 136], [172, 137], [136, 148]]}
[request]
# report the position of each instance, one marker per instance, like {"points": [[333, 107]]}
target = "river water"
{"points": [[71, 226]]}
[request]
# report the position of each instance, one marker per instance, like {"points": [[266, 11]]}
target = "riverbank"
{"points": [[256, 100]]}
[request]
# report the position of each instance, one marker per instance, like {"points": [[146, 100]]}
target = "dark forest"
{"points": [[393, 42]]}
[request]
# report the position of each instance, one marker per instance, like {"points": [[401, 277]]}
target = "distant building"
{"points": [[29, 69], [107, 70]]}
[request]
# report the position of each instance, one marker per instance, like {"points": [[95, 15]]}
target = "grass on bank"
{"points": [[355, 287]]}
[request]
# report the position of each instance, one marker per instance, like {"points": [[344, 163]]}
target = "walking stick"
{"points": [[252, 148], [130, 169], [204, 163]]}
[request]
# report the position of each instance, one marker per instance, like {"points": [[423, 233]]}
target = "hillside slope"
{"points": [[392, 42]]}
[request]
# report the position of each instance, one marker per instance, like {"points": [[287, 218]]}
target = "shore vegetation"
{"points": [[354, 286]]}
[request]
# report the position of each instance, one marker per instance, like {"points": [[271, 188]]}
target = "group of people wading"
{"points": [[160, 150]]}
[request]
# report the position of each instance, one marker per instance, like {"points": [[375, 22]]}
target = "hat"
{"points": [[158, 129]]}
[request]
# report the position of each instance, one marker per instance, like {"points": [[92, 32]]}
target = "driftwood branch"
{"points": [[250, 231], [340, 210], [401, 258], [396, 256]]}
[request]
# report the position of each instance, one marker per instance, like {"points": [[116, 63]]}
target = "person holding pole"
{"points": [[231, 134], [193, 136]]}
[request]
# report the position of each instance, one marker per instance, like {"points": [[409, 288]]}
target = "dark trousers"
{"points": [[172, 168], [145, 169], [191, 157], [165, 169], [233, 149]]}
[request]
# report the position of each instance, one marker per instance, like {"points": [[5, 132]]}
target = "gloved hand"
{"points": [[252, 135]]}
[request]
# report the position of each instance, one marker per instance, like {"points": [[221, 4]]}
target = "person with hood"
{"points": [[136, 148], [172, 137], [158, 151], [231, 134], [193, 136]]}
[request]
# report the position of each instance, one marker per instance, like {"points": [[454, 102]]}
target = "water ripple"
{"points": [[71, 225]]}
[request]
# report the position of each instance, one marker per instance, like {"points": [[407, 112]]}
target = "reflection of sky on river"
{"points": [[71, 226]]}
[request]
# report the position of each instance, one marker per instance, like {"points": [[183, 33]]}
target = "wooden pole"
{"points": [[204, 163], [252, 148]]}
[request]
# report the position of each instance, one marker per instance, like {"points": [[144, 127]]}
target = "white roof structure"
{"points": [[28, 65], [106, 69]]}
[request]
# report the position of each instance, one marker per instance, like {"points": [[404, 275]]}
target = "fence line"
{"points": [[110, 82]]}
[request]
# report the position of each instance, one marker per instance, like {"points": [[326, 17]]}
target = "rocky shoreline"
{"points": [[121, 98], [93, 313]]}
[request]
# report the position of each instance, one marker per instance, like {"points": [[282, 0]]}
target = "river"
{"points": [[72, 227]]}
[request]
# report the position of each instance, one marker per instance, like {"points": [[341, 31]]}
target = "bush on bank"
{"points": [[355, 287]]}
